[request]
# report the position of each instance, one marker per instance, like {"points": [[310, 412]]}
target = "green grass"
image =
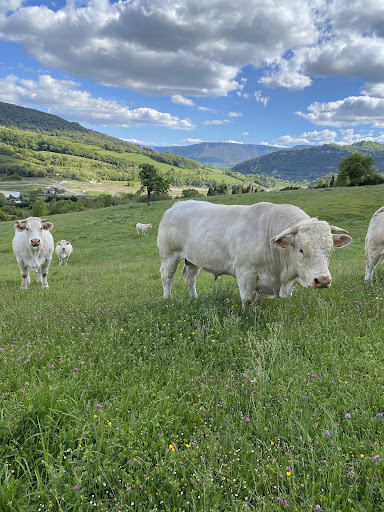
{"points": [[178, 380]]}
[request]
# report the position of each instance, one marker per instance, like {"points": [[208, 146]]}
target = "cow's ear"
{"points": [[283, 243], [68, 243], [47, 225], [341, 240], [19, 227]]}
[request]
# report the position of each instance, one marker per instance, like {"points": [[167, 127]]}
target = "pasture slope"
{"points": [[115, 399]]}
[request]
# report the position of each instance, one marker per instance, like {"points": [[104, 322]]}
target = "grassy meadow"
{"points": [[115, 399]]}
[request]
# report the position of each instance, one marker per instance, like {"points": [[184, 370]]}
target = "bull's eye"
{"points": [[301, 251]]}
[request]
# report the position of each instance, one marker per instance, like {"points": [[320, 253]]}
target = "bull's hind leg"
{"points": [[167, 271], [190, 272], [371, 260]]}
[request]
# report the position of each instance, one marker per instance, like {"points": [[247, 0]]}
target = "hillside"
{"points": [[222, 155], [36, 144], [310, 163]]}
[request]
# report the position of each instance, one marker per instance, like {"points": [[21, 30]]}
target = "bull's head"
{"points": [[311, 243]]}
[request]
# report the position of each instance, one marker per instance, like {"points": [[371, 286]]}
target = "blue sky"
{"points": [[177, 72]]}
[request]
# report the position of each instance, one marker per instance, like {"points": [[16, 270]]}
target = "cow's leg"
{"points": [[190, 272], [167, 271], [44, 273], [38, 277], [25, 279], [247, 287], [371, 260]]}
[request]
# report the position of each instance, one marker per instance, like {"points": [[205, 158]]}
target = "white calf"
{"points": [[142, 227], [63, 251]]}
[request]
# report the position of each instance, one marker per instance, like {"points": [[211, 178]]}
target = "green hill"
{"points": [[310, 163], [36, 144]]}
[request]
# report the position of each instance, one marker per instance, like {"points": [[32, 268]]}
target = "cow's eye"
{"points": [[301, 251]]}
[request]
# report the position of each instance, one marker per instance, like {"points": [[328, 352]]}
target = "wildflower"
{"points": [[272, 443], [350, 474], [348, 416], [110, 423], [245, 375], [289, 473], [281, 477], [76, 488], [304, 397], [317, 507], [362, 455], [327, 433], [52, 366], [75, 369], [288, 468], [95, 415], [187, 445], [333, 382], [313, 376], [379, 415], [128, 462], [171, 447], [376, 458], [99, 406], [247, 420]]}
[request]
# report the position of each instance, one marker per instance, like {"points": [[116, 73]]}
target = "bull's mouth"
{"points": [[35, 245]]}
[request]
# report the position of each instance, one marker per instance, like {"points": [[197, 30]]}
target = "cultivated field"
{"points": [[114, 399]]}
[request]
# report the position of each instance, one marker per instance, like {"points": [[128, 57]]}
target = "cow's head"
{"points": [[63, 244], [33, 227], [310, 245]]}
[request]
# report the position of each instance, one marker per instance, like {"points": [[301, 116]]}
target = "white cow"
{"points": [[63, 251], [142, 227], [268, 247], [33, 247], [374, 243]]}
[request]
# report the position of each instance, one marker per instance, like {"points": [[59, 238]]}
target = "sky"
{"points": [[179, 72]]}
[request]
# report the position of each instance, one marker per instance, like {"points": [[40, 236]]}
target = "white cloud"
{"points": [[235, 114], [233, 142], [217, 121], [350, 111], [161, 47], [205, 109], [315, 137], [373, 90], [178, 99], [63, 97], [193, 141]]}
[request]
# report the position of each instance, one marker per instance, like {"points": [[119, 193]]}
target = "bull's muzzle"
{"points": [[322, 282], [35, 242]]}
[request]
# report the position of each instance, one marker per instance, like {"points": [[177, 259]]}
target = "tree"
{"points": [[152, 181], [39, 208], [357, 169]]}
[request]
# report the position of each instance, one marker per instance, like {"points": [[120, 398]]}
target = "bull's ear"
{"points": [[283, 243], [341, 240], [68, 243], [47, 225]]}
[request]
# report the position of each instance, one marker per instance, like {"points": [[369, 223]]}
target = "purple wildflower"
{"points": [[247, 420], [281, 477], [327, 433], [304, 397], [128, 462], [348, 416], [75, 370], [317, 507], [377, 458], [288, 468], [76, 488], [52, 366], [313, 376], [99, 406], [350, 474], [379, 415]]}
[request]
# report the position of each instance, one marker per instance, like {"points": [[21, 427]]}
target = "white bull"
{"points": [[374, 243], [33, 247], [142, 227], [63, 250], [268, 247]]}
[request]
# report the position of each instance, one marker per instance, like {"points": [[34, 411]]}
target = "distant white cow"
{"points": [[374, 243], [268, 247], [63, 251], [33, 247], [142, 227]]}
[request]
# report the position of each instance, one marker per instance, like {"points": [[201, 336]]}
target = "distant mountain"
{"points": [[222, 155], [310, 163]]}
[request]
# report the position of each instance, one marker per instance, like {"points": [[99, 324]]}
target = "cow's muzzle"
{"points": [[322, 282], [35, 242]]}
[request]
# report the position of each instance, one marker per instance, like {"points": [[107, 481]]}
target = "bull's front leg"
{"points": [[247, 286], [24, 270], [42, 273]]}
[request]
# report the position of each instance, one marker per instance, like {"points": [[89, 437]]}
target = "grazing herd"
{"points": [[268, 248]]}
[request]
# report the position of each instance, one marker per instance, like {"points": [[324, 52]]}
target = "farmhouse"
{"points": [[51, 190]]}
